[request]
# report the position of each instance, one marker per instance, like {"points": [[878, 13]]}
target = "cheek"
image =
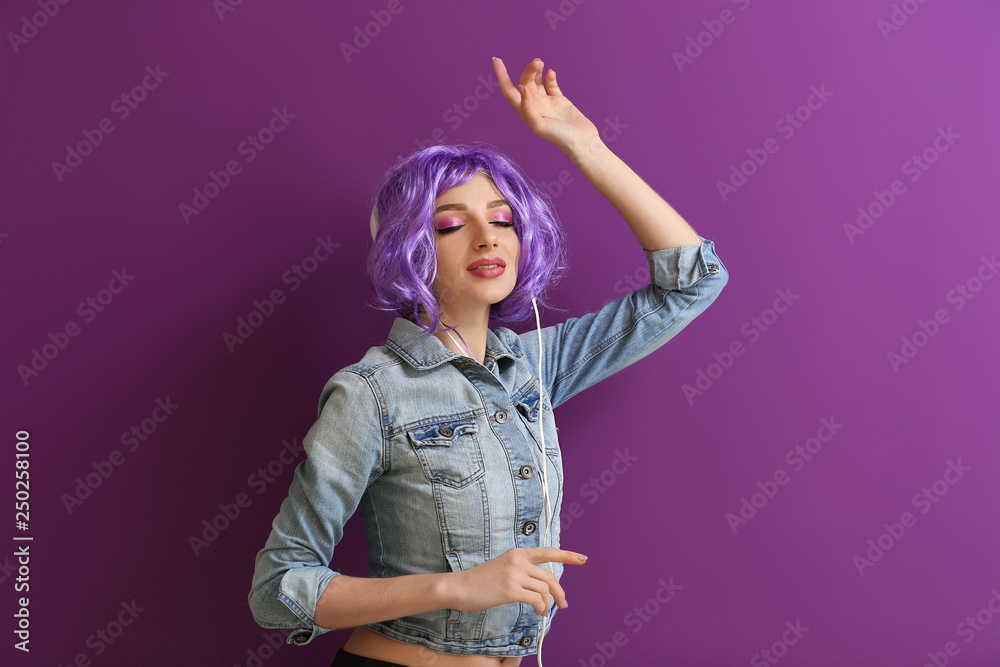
{"points": [[447, 260]]}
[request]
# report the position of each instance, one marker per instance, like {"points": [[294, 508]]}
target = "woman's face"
{"points": [[473, 222]]}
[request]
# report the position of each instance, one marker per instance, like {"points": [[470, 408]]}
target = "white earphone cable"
{"points": [[541, 468]]}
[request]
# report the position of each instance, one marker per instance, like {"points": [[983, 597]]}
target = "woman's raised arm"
{"points": [[550, 115]]}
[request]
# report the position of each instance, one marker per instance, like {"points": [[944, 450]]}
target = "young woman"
{"points": [[445, 437]]}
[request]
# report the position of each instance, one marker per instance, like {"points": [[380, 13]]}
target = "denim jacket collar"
{"points": [[423, 351]]}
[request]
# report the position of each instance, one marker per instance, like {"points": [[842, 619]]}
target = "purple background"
{"points": [[682, 129]]}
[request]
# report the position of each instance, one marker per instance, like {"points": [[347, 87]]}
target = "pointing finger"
{"points": [[554, 555]]}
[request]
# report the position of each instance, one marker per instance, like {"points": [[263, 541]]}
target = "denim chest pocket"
{"points": [[449, 452]]}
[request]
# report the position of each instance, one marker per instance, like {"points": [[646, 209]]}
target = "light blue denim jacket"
{"points": [[439, 452]]}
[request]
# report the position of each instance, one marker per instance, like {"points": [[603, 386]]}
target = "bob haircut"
{"points": [[402, 263]]}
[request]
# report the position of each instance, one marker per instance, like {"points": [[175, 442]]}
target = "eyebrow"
{"points": [[496, 203]]}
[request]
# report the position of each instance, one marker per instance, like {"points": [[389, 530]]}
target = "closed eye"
{"points": [[449, 230]]}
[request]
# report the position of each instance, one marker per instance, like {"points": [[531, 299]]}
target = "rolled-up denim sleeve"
{"points": [[343, 456], [584, 350]]}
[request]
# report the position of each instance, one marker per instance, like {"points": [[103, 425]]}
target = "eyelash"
{"points": [[448, 230]]}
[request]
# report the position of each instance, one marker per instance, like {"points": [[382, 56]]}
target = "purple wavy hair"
{"points": [[402, 263]]}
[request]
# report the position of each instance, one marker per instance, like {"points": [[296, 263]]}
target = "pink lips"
{"points": [[492, 272], [481, 262]]}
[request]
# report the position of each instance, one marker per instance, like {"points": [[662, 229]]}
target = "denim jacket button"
{"points": [[526, 640], [501, 416], [526, 471], [529, 527], [446, 431]]}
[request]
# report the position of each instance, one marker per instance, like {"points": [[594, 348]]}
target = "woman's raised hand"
{"points": [[542, 106], [513, 576]]}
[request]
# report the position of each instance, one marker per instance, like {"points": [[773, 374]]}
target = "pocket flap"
{"points": [[442, 435], [527, 402]]}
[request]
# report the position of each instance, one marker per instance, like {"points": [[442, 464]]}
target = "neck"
{"points": [[473, 328]]}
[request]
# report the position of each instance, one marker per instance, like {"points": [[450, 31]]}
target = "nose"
{"points": [[488, 235]]}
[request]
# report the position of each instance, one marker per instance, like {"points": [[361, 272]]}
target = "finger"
{"points": [[538, 77], [554, 587], [550, 83], [507, 89], [554, 555], [528, 75], [531, 114], [541, 600], [532, 77]]}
